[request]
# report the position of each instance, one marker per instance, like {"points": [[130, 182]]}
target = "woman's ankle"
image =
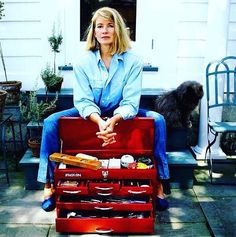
{"points": [[160, 193], [47, 185], [48, 190], [166, 186]]}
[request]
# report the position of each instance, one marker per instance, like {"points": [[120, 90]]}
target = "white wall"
{"points": [[192, 24], [21, 40], [177, 27], [231, 47]]}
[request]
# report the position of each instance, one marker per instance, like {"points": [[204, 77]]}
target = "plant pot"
{"points": [[13, 91], [34, 144], [228, 143], [3, 95], [55, 87]]}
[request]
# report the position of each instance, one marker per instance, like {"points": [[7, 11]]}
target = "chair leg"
{"points": [[210, 160], [21, 136], [4, 149], [14, 142], [211, 165]]}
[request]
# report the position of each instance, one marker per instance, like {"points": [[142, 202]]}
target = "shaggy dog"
{"points": [[176, 105]]}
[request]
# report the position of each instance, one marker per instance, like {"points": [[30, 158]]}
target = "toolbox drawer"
{"points": [[65, 187], [104, 204], [104, 188], [100, 185], [117, 222]]}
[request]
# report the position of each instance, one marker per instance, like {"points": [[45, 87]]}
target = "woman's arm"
{"points": [[129, 105]]}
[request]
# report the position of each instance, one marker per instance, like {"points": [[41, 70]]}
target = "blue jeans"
{"points": [[159, 142], [50, 143]]}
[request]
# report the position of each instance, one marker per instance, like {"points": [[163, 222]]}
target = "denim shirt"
{"points": [[98, 89]]}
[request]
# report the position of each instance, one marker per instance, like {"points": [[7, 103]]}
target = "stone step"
{"points": [[30, 165], [181, 166]]}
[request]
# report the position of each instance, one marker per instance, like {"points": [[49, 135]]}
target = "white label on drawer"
{"points": [[73, 175]]}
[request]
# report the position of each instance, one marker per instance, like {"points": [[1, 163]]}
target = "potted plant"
{"points": [[35, 112], [51, 78], [228, 140], [11, 87]]}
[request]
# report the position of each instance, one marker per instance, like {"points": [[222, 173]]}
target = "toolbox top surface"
{"points": [[134, 136]]}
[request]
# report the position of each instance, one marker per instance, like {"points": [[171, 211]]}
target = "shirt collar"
{"points": [[98, 56], [116, 56]]}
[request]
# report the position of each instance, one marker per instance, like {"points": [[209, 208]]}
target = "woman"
{"points": [[108, 83]]}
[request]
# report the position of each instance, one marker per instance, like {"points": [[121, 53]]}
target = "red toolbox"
{"points": [[107, 200]]}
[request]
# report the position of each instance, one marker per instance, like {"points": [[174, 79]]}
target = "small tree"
{"points": [[50, 77], [55, 41]]}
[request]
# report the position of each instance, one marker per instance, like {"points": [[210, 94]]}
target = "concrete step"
{"points": [[181, 166], [30, 165]]}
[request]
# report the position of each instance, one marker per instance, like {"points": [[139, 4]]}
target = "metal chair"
{"points": [[220, 92]]}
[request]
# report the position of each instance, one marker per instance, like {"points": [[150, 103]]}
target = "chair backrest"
{"points": [[221, 83]]}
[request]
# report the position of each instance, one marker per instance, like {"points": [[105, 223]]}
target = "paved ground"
{"points": [[205, 210]]}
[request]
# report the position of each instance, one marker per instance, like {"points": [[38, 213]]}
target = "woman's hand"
{"points": [[106, 132], [106, 127]]}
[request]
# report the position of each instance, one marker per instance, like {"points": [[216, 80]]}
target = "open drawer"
{"points": [[109, 222], [113, 203]]}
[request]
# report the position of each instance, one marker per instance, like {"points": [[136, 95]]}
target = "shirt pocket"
{"points": [[97, 87], [96, 84]]}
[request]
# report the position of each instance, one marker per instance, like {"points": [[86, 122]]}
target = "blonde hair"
{"points": [[122, 40]]}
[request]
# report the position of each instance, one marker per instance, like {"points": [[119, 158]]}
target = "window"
{"points": [[127, 8]]}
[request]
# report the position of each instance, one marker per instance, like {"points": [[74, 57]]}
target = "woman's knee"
{"points": [[50, 123], [157, 117], [50, 120]]}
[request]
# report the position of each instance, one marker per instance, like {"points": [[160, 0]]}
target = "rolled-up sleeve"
{"points": [[82, 94], [129, 105]]}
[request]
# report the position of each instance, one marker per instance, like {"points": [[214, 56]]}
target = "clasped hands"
{"points": [[106, 131]]}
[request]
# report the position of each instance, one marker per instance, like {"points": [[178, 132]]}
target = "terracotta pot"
{"points": [[13, 91], [56, 87], [34, 144]]}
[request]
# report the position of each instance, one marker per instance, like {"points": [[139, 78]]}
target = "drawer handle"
{"points": [[101, 231], [136, 192], [104, 188], [72, 192], [104, 194], [103, 208]]}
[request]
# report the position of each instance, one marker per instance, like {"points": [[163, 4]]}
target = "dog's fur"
{"points": [[176, 105]]}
